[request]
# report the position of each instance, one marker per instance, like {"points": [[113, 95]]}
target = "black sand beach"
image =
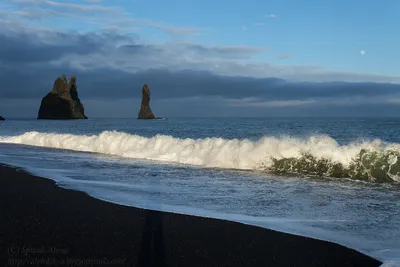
{"points": [[42, 224]]}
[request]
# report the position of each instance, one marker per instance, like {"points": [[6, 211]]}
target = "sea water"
{"points": [[332, 179]]}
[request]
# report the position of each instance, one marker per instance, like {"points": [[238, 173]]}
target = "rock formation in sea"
{"points": [[1, 118], [145, 112], [62, 103]]}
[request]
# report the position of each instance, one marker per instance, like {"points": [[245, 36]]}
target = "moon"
{"points": [[362, 52]]}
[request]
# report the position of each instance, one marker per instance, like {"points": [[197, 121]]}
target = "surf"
{"points": [[319, 155]]}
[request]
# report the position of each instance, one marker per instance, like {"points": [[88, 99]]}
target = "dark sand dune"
{"points": [[42, 224]]}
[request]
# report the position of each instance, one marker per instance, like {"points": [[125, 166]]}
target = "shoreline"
{"points": [[41, 221]]}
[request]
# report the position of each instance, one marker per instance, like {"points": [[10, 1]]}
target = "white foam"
{"points": [[392, 263], [209, 152]]}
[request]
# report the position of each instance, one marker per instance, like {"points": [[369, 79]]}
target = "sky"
{"points": [[204, 58]]}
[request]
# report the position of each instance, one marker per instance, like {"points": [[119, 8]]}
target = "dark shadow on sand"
{"points": [[152, 244]]}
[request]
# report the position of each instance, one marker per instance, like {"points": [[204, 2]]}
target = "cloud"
{"points": [[254, 102], [115, 93], [88, 51], [185, 77], [71, 6], [110, 28], [226, 52], [394, 100], [259, 24], [23, 47], [283, 56], [104, 16], [244, 28], [111, 83], [175, 30], [271, 16]]}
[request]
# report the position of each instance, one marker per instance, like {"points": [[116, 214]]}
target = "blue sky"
{"points": [[312, 32], [297, 41], [328, 34]]}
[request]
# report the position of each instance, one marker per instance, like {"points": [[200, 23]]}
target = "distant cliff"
{"points": [[145, 112], [62, 103], [1, 118]]}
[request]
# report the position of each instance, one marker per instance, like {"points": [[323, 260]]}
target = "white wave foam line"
{"points": [[208, 152]]}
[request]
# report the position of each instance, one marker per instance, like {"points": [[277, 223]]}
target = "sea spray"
{"points": [[318, 155]]}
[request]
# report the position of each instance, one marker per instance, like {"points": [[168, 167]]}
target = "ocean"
{"points": [[335, 179]]}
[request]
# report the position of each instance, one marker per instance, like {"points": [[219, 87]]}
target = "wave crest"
{"points": [[375, 166], [317, 155]]}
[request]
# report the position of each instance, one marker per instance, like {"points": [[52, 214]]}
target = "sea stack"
{"points": [[2, 119], [145, 112], [62, 103]]}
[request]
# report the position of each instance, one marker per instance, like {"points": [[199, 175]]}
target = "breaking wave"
{"points": [[317, 155]]}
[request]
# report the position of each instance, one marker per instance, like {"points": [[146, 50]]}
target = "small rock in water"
{"points": [[145, 112]]}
